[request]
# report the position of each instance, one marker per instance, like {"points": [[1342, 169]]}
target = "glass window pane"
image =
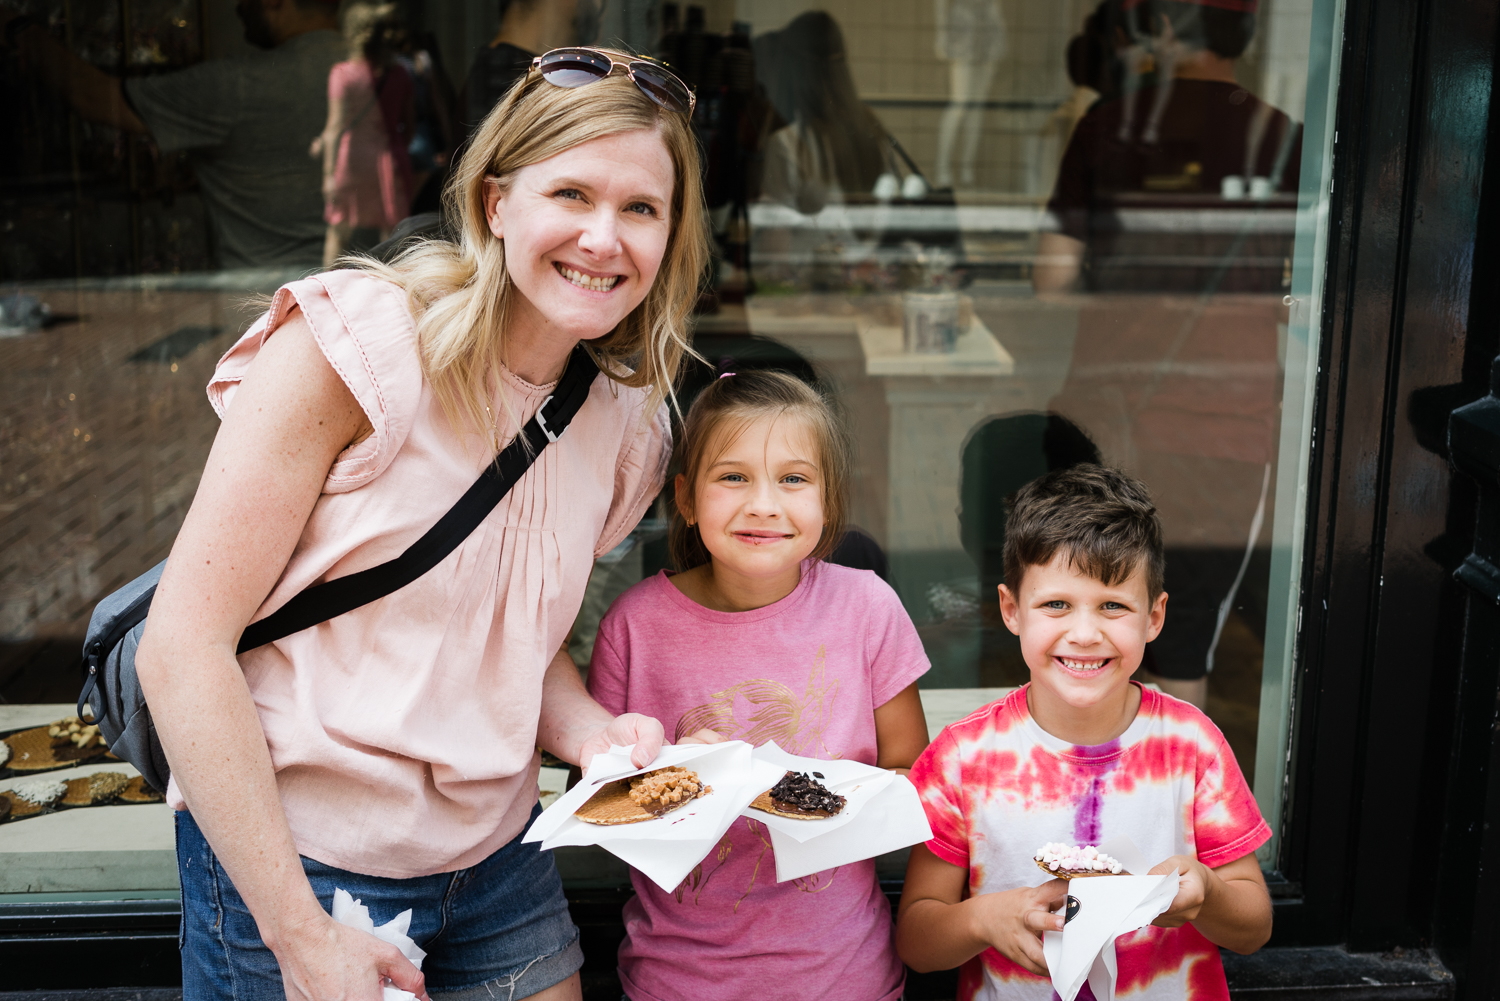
{"points": [[1007, 235]]}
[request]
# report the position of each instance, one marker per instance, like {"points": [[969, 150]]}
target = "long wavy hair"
{"points": [[460, 291]]}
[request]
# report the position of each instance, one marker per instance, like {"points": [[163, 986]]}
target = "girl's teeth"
{"points": [[588, 281]]}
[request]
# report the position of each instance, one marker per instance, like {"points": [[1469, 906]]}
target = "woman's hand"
{"points": [[326, 960], [575, 727], [644, 732]]}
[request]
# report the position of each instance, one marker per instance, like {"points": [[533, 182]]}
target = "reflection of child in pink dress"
{"points": [[367, 175]]}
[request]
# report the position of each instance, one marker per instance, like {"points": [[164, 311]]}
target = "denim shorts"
{"points": [[497, 931]]}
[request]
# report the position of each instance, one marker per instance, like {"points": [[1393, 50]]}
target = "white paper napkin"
{"points": [[1106, 908], [892, 819], [882, 813], [348, 911], [665, 849]]}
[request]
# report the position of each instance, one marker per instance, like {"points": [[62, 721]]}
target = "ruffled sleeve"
{"points": [[365, 330], [638, 476]]}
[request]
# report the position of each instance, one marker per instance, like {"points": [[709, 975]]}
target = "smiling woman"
{"points": [[393, 751]]}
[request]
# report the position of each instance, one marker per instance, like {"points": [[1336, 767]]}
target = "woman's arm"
{"points": [[900, 730], [575, 727], [288, 421]]}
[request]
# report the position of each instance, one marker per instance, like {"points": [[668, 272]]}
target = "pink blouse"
{"points": [[403, 734]]}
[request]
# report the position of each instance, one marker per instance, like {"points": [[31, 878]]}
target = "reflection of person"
{"points": [[367, 176], [1183, 136], [1079, 756], [759, 639], [245, 121], [1182, 388], [395, 747], [527, 28], [832, 144], [971, 39]]}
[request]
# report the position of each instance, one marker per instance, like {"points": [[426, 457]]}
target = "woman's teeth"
{"points": [[588, 281], [1082, 665]]}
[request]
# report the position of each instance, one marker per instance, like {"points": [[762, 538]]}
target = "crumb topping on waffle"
{"points": [[666, 789]]}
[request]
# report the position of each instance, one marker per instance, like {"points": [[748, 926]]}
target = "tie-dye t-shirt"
{"points": [[996, 787], [808, 672]]}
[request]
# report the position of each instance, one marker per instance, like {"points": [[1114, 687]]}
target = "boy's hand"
{"points": [[1193, 891], [1012, 922]]}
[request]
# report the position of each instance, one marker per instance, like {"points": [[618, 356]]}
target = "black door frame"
{"points": [[1407, 335]]}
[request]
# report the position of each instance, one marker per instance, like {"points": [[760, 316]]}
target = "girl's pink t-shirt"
{"points": [[807, 672], [403, 733]]}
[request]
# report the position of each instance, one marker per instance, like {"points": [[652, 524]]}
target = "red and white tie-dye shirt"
{"points": [[996, 786]]}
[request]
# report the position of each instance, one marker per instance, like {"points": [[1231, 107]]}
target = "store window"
{"points": [[1009, 235]]}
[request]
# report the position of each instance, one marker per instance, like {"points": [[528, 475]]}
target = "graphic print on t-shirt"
{"points": [[807, 672], [762, 709]]}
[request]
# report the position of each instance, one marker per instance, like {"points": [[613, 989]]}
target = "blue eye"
{"points": [[641, 208]]}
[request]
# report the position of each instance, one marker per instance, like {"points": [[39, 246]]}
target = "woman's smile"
{"points": [[587, 280]]}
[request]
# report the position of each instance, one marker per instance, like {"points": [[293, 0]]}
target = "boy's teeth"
{"points": [[588, 281], [1079, 665]]}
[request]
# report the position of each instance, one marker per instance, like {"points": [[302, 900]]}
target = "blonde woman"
{"points": [[392, 751]]}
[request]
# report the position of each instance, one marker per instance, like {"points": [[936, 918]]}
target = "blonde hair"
{"points": [[723, 411], [460, 291], [361, 20]]}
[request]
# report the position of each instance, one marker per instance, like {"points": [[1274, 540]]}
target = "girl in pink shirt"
{"points": [[757, 639]]}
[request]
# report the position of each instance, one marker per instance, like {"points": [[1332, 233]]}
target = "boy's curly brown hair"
{"points": [[1101, 518]]}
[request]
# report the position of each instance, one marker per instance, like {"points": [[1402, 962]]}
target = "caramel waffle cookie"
{"points": [[96, 789], [137, 791], [32, 750], [1071, 874], [788, 796], [642, 797], [28, 799]]}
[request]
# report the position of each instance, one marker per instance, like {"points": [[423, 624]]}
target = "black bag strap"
{"points": [[332, 598]]}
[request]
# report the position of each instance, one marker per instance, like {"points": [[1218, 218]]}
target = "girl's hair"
{"points": [[460, 290], [721, 414], [366, 27]]}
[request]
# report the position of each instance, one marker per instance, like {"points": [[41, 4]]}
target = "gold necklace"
{"points": [[494, 429]]}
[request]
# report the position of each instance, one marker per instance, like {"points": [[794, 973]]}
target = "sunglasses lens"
{"points": [[573, 69], [662, 86]]}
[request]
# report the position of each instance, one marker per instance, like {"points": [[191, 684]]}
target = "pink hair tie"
{"points": [[726, 375]]}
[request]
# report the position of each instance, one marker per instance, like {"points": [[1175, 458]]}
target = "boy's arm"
{"points": [[937, 929], [1229, 905], [900, 730]]}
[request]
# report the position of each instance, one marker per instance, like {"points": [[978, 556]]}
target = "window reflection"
{"points": [[1012, 235]]}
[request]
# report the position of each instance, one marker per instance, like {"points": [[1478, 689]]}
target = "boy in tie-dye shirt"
{"points": [[1080, 755]]}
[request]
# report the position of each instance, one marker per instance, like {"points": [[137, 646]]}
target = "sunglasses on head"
{"points": [[580, 67]]}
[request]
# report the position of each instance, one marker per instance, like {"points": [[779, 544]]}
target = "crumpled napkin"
{"points": [[1100, 910], [348, 911]]}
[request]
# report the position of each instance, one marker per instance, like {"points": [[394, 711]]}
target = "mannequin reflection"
{"points": [[1059, 262], [1178, 136], [971, 38]]}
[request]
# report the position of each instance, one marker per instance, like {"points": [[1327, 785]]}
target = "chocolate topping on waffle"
{"points": [[798, 792]]}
